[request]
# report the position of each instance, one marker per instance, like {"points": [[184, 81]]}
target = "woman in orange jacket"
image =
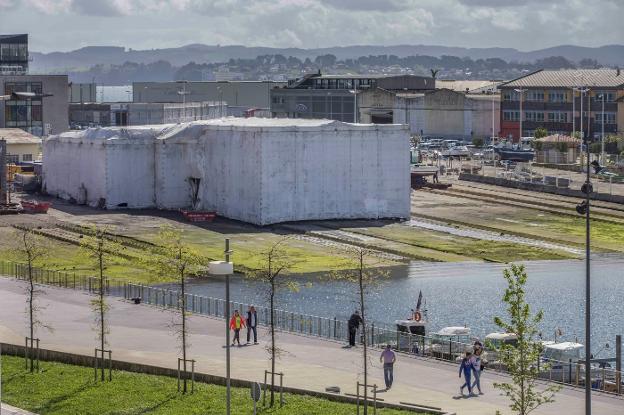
{"points": [[237, 322]]}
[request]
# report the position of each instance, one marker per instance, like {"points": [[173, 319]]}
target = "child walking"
{"points": [[466, 368]]}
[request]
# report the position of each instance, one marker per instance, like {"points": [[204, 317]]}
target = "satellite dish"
{"points": [[301, 108]]}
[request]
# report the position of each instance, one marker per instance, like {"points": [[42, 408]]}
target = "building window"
{"points": [[609, 96], [24, 114], [535, 116], [609, 117], [511, 116], [12, 158], [556, 96], [535, 96], [26, 157], [558, 116], [510, 95]]}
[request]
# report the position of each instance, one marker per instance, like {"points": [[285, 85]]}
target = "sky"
{"points": [[61, 25]]}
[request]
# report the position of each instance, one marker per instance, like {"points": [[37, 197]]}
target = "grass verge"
{"points": [[61, 389]]}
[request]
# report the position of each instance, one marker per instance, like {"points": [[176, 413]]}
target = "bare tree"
{"points": [[179, 259], [272, 272], [364, 278], [31, 247], [97, 247]]}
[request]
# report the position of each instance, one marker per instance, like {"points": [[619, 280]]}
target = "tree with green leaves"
{"points": [[540, 132], [272, 273], [521, 359], [174, 257], [100, 249], [364, 277], [30, 247]]}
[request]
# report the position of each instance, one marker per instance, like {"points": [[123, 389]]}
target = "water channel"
{"points": [[463, 294]]}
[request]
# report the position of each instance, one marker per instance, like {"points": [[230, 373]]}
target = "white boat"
{"points": [[450, 343], [493, 342], [456, 151], [559, 361]]}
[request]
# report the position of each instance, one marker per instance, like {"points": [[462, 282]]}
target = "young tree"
{"points": [[364, 278], [179, 259], [100, 249], [31, 247], [520, 359], [540, 132], [274, 265]]}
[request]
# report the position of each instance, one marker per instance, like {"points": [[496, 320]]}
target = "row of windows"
{"points": [[11, 87], [13, 51], [555, 116], [24, 113], [341, 83], [555, 96]]}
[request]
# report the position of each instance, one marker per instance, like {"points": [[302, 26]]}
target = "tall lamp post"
{"points": [[354, 91], [602, 144], [225, 268], [184, 93], [583, 209], [521, 92]]}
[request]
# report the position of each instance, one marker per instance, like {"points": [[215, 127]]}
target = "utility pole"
{"points": [[3, 173], [602, 149], [521, 92], [227, 253]]}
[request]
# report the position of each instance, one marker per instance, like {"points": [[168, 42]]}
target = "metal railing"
{"points": [[604, 379]]}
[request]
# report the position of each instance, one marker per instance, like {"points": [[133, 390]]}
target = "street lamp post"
{"points": [[354, 91], [225, 268], [602, 144], [184, 93], [521, 92], [584, 209]]}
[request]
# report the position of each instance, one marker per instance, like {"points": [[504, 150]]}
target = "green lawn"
{"points": [[461, 247], [62, 389]]}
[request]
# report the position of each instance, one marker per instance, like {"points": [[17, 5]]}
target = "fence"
{"points": [[444, 348]]}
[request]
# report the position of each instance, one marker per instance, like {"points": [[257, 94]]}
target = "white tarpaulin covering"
{"points": [[256, 170]]}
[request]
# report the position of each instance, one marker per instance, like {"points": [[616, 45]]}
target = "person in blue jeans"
{"points": [[388, 358], [466, 368]]}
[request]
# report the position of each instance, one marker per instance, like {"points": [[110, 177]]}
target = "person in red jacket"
{"points": [[237, 323]]}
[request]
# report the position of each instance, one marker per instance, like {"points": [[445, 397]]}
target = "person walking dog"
{"points": [[252, 322], [388, 357], [236, 323]]}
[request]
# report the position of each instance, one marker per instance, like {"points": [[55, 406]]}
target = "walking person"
{"points": [[354, 323], [388, 358], [477, 368], [236, 323], [466, 369], [252, 322]]}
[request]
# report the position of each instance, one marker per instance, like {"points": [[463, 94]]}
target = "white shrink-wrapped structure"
{"points": [[256, 170]]}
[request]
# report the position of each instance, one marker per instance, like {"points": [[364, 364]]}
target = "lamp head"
{"points": [[581, 208], [587, 188]]}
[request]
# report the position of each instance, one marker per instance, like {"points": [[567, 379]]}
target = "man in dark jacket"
{"points": [[252, 322], [354, 323]]}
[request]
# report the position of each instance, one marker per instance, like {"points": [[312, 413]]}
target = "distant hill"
{"points": [[86, 57]]}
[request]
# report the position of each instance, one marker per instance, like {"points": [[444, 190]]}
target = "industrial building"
{"points": [[14, 54], [21, 147], [240, 95], [335, 97], [551, 99], [37, 104], [256, 170], [441, 113], [85, 115]]}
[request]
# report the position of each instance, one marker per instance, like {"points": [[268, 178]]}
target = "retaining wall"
{"points": [[538, 187]]}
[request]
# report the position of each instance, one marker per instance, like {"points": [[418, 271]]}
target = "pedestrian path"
{"points": [[142, 334], [11, 410]]}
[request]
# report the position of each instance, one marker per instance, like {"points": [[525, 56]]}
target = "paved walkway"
{"points": [[10, 410], [141, 334]]}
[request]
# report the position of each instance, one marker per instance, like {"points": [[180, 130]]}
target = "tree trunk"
{"points": [[361, 286], [183, 315], [272, 305], [102, 325], [31, 314]]}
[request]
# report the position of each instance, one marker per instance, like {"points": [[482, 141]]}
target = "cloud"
{"points": [[103, 8], [144, 24]]}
